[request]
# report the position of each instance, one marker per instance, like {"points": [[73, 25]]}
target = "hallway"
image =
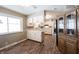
{"points": [[32, 47]]}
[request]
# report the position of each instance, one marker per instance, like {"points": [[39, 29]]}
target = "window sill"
{"points": [[10, 33]]}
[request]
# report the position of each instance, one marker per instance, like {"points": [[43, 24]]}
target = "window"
{"points": [[3, 24], [14, 24], [9, 24]]}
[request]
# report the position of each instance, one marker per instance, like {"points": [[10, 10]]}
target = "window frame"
{"points": [[21, 25]]}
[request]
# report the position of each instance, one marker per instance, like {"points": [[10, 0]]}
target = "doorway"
{"points": [[56, 32]]}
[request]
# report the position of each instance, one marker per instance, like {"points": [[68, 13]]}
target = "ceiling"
{"points": [[27, 10]]}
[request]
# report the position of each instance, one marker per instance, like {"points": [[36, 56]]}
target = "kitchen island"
{"points": [[35, 34]]}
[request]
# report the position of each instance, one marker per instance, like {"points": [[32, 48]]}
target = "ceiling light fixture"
{"points": [[28, 6]]}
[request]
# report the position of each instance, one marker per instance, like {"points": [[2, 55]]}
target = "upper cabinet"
{"points": [[35, 21], [71, 23]]}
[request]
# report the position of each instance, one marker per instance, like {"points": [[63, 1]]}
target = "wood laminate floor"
{"points": [[32, 47]]}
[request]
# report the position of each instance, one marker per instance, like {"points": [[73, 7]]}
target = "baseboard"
{"points": [[13, 44], [41, 43], [35, 41], [47, 34]]}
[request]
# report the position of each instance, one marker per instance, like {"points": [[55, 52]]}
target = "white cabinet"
{"points": [[35, 35]]}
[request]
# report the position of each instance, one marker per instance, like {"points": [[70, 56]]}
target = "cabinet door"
{"points": [[78, 22], [71, 24], [70, 48], [61, 41], [61, 45], [61, 25], [78, 28], [78, 46]]}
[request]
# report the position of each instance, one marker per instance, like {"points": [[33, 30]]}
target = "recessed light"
{"points": [[34, 6], [55, 9]]}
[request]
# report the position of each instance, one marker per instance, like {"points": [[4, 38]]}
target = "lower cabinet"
{"points": [[70, 48], [67, 45], [78, 46], [78, 50], [71, 45], [35, 35], [61, 44]]}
